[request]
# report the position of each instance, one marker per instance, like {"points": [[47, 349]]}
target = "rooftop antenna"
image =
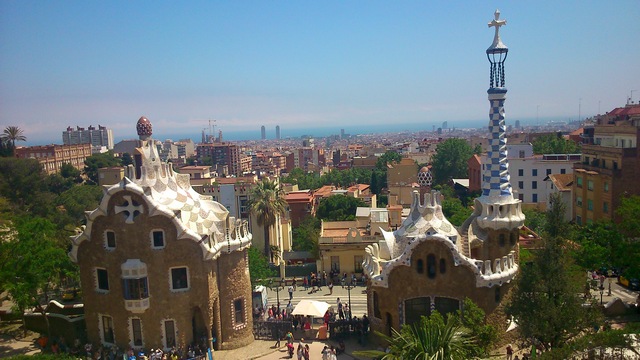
{"points": [[631, 97]]}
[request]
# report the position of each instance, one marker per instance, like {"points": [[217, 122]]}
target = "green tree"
{"points": [[13, 134], [450, 160], [259, 270], [126, 159], [306, 235], [474, 319], [22, 184], [79, 199], [629, 213], [266, 202], [545, 301], [554, 144], [534, 219], [339, 208], [97, 161], [33, 264], [389, 157], [6, 149], [431, 338], [69, 171]]}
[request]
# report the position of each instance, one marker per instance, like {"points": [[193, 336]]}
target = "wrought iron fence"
{"points": [[268, 330]]}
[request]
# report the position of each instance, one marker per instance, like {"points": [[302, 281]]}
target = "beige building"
{"points": [[610, 166], [161, 265], [402, 179], [51, 157]]}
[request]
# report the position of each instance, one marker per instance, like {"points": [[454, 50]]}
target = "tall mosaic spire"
{"points": [[495, 178]]}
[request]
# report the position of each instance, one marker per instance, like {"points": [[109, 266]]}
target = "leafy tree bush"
{"points": [[450, 160], [306, 235], [554, 144], [259, 270], [97, 161], [339, 208]]}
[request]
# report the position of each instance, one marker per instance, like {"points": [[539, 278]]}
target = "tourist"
{"points": [[305, 352], [340, 310], [330, 287], [290, 292], [509, 352]]}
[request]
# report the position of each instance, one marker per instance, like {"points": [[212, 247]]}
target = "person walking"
{"points": [[278, 337], [290, 292], [330, 286], [509, 352]]}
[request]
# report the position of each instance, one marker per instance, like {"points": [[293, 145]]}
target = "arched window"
{"points": [[431, 266], [420, 266], [443, 266]]}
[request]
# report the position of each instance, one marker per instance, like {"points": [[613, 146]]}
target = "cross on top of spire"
{"points": [[497, 43]]}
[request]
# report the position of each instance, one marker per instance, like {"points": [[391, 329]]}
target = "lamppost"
{"points": [[277, 290], [601, 293], [350, 286]]}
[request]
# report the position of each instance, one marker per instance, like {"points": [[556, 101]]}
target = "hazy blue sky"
{"points": [[305, 64]]}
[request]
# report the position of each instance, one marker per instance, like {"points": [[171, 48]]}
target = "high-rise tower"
{"points": [[278, 132], [263, 132]]}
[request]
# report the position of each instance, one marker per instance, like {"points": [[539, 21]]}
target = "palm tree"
{"points": [[431, 338], [13, 134], [266, 202]]}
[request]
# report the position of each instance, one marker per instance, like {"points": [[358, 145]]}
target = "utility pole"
{"points": [[580, 110]]}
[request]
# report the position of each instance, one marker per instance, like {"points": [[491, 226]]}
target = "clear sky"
{"points": [[306, 64]]}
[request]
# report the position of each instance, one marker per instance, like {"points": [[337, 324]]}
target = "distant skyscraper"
{"points": [[445, 125], [278, 132], [263, 131], [96, 137], [341, 133], [517, 124]]}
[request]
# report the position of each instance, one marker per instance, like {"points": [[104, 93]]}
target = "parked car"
{"points": [[633, 284]]}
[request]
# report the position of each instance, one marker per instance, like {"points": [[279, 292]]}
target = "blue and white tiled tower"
{"points": [[499, 208]]}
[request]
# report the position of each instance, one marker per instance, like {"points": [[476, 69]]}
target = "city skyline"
{"points": [[305, 66]]}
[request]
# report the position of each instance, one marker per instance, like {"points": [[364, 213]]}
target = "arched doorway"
{"points": [[447, 305], [198, 328]]}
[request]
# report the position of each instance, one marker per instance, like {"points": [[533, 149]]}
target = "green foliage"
{"points": [[306, 235], [473, 318], [97, 161], [33, 263], [79, 199], [259, 269], [266, 202], [68, 171], [21, 182], [450, 160], [339, 208], [629, 213], [431, 338], [615, 340], [126, 159], [12, 134], [534, 220], [545, 301], [455, 211], [389, 157], [6, 148], [334, 177], [554, 144]]}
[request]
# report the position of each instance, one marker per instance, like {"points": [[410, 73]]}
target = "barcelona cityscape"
{"points": [[338, 180]]}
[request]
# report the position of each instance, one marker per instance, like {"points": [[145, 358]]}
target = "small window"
{"points": [[521, 154], [579, 181], [169, 334], [179, 279], [431, 266], [103, 279], [579, 201], [534, 172], [589, 204], [589, 184], [443, 266], [135, 289], [605, 207], [535, 198], [548, 171], [110, 239], [136, 332], [497, 294], [238, 311], [606, 187], [578, 219], [357, 263], [521, 197], [420, 266], [521, 171], [157, 239], [563, 171], [534, 184], [107, 329], [520, 184]]}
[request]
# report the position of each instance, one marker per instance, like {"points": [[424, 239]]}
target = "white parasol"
{"points": [[311, 308]]}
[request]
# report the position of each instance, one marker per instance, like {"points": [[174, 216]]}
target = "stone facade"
{"points": [[161, 265]]}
